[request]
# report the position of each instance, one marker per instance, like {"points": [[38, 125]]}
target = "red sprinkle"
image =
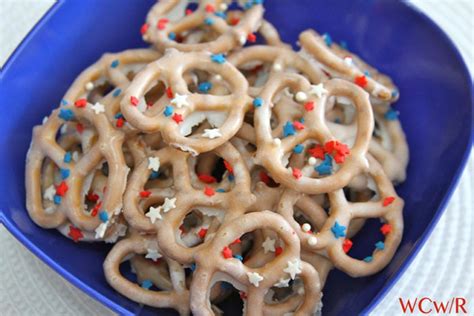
{"points": [[62, 188], [178, 118], [209, 191], [79, 128], [227, 252], [388, 200], [338, 150], [134, 101], [210, 8], [96, 209], [309, 106], [162, 23], [120, 122], [169, 93], [228, 166], [235, 242], [386, 229], [75, 233], [297, 173], [91, 196], [234, 21], [251, 38], [80, 103], [347, 245], [243, 295], [206, 178], [361, 81], [181, 228], [188, 11], [145, 194], [298, 125], [317, 152], [202, 233], [278, 251], [144, 28], [264, 177]]}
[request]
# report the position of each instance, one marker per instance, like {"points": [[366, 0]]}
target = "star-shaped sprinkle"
{"points": [[239, 257], [57, 199], [153, 254], [293, 268], [268, 245], [388, 200], [145, 194], [144, 28], [338, 230], [49, 193], [227, 252], [297, 174], [298, 149], [153, 214], [282, 283], [161, 25], [180, 100], [178, 118], [317, 152], [75, 156], [62, 188], [206, 178], [169, 204], [209, 191], [114, 63], [288, 129], [154, 163], [212, 133], [347, 245], [325, 168], [202, 233], [278, 251], [361, 81], [218, 58], [254, 278], [257, 102], [309, 106], [117, 92], [147, 284], [45, 119], [67, 157], [386, 229], [380, 245], [66, 114], [172, 36], [368, 259], [208, 21], [391, 115], [327, 39], [98, 108], [298, 125], [75, 233], [318, 90], [104, 216], [49, 210], [134, 100], [100, 230], [64, 173], [80, 103], [251, 37], [348, 60], [205, 86]]}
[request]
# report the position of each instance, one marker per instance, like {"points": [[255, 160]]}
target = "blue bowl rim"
{"points": [[391, 282]]}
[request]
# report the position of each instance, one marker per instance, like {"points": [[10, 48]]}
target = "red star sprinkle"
{"points": [[234, 21], [243, 295], [209, 191], [79, 128], [309, 106], [210, 8], [91, 196], [75, 233], [206, 178], [169, 93], [188, 11], [62, 188], [298, 125], [346, 245], [145, 194], [297, 173], [144, 28], [388, 200], [264, 177], [278, 251], [227, 252], [134, 101], [202, 233], [181, 228], [96, 209], [360, 81], [162, 23], [178, 118], [235, 242], [228, 166], [251, 38], [120, 122], [317, 152], [80, 103], [338, 150], [386, 229]]}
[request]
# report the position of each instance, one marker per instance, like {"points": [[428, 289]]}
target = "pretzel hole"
{"points": [[196, 123], [256, 72], [140, 275], [210, 170], [100, 90], [365, 239], [162, 179], [340, 110], [202, 81], [154, 95], [363, 195], [195, 225], [277, 295]]}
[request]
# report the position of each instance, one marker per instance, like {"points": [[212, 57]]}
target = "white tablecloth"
{"points": [[442, 269]]}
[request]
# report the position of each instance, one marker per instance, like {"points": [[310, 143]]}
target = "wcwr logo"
{"points": [[426, 305]]}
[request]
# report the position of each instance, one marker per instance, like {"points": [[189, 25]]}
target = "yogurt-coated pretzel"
{"points": [[271, 151], [334, 60], [328, 238], [162, 31], [255, 282], [170, 69]]}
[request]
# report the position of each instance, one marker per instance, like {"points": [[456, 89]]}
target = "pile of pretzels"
{"points": [[220, 160]]}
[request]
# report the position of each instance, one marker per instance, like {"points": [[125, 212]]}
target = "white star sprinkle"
{"points": [[268, 245], [254, 278], [282, 283], [100, 230], [154, 163], [293, 268], [348, 61], [154, 213], [49, 193], [212, 133], [169, 204], [180, 100], [153, 254], [98, 108], [318, 90], [49, 210]]}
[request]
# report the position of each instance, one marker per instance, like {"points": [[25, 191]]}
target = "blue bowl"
{"points": [[435, 105]]}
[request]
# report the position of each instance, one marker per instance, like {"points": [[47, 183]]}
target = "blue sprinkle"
{"points": [[118, 115], [193, 266], [63, 102], [104, 217], [302, 120], [147, 284], [67, 157], [239, 257], [325, 168], [66, 114], [231, 177], [257, 2], [225, 285], [248, 5], [298, 149], [288, 129], [327, 39], [380, 245], [114, 64], [221, 14], [338, 230], [208, 21], [337, 120], [391, 115], [117, 92], [257, 102], [205, 86], [57, 199], [65, 173], [154, 175], [220, 190], [394, 93], [367, 73], [218, 58], [168, 110], [172, 35], [368, 259], [343, 45]]}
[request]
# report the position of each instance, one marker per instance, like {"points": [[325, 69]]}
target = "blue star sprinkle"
{"points": [[380, 245], [220, 190], [338, 230], [193, 266], [66, 114], [391, 115], [368, 259], [104, 217], [298, 149], [154, 175], [63, 102], [221, 14], [147, 284], [57, 199], [65, 173], [117, 92], [218, 58], [238, 257], [114, 64], [325, 168], [172, 35], [67, 157], [327, 39], [257, 102], [288, 129], [168, 111], [208, 21], [205, 86]]}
